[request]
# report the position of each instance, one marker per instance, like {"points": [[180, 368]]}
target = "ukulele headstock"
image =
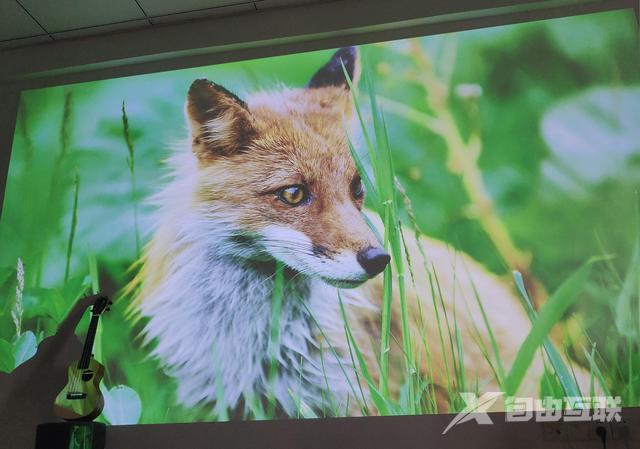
{"points": [[102, 304]]}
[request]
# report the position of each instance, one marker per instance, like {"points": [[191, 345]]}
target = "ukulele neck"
{"points": [[83, 363]]}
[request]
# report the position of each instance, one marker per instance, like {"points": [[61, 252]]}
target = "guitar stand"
{"points": [[71, 435]]}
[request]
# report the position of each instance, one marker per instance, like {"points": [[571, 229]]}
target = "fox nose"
{"points": [[373, 260]]}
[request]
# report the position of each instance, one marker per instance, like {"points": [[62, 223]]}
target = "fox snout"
{"points": [[373, 260]]}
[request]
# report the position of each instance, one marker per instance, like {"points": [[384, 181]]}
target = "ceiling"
{"points": [[28, 22]]}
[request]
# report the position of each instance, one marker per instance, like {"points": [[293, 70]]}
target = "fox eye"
{"points": [[357, 190], [293, 195]]}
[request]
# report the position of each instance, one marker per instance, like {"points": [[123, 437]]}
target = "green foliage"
{"points": [[122, 405], [13, 354], [7, 359], [24, 348]]}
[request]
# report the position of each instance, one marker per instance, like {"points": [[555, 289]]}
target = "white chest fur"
{"points": [[211, 319]]}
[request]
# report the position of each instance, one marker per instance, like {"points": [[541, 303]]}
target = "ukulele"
{"points": [[81, 399]]}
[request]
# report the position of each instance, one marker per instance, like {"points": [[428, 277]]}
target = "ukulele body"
{"points": [[81, 399]]}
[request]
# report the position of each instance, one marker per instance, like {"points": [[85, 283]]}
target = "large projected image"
{"points": [[374, 230]]}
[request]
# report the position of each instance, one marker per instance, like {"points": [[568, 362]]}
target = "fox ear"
{"points": [[220, 122], [332, 74]]}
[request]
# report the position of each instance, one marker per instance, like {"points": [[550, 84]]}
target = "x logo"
{"points": [[475, 409]]}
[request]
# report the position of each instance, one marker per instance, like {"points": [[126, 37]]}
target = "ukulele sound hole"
{"points": [[87, 375]]}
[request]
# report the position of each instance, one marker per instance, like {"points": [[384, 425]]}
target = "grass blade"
{"points": [[564, 374], [132, 173], [74, 225], [550, 314]]}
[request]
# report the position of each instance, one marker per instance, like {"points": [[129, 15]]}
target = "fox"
{"points": [[266, 185]]}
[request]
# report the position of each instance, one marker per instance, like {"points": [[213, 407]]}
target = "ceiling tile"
{"points": [[201, 13], [15, 22], [64, 15], [113, 27], [25, 41], [162, 7]]}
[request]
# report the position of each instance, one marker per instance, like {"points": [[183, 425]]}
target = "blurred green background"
{"points": [[555, 105]]}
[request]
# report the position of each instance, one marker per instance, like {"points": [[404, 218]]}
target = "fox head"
{"points": [[278, 168]]}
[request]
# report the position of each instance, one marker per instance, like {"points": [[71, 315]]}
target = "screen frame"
{"points": [[369, 432], [374, 432]]}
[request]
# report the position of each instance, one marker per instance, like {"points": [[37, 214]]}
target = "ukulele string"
{"points": [[80, 369], [76, 376], [72, 380], [77, 381]]}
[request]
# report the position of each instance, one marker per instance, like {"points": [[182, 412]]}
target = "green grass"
{"points": [[383, 187], [131, 164], [542, 324], [73, 226], [386, 203]]}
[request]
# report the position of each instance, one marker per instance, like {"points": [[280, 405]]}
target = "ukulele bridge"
{"points": [[76, 395]]}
